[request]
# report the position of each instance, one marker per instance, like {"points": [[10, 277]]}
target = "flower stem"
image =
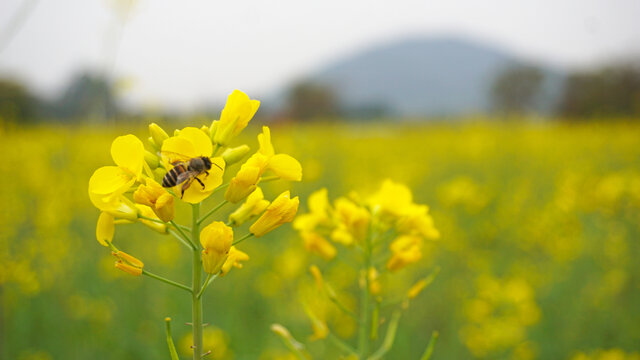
{"points": [[363, 338], [196, 305], [207, 281], [242, 239], [172, 347], [165, 280], [185, 236], [184, 241], [210, 212]]}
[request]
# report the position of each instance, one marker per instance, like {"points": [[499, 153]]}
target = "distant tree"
{"points": [[516, 89], [611, 91], [309, 100], [87, 96], [17, 104]]}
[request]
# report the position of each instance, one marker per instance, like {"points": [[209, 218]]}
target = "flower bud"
{"points": [[146, 211], [216, 239], [254, 206], [235, 116], [157, 198], [157, 134], [233, 155], [151, 159], [282, 210]]}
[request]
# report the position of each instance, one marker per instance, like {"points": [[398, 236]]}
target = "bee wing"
{"points": [[174, 158], [184, 177]]}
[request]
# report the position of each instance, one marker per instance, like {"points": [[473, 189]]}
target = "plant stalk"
{"points": [[363, 336], [196, 305]]}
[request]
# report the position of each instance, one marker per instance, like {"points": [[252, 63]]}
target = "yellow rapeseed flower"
{"points": [[235, 116], [106, 182], [191, 143], [233, 260], [406, 249], [416, 220], [216, 239], [253, 206], [247, 178], [392, 200], [282, 210], [157, 198], [352, 222]]}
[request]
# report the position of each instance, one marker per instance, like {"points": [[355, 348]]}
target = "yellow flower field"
{"points": [[539, 229]]}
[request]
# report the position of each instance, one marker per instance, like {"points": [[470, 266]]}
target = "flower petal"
{"points": [[286, 167], [105, 228], [128, 152], [201, 142], [110, 179]]}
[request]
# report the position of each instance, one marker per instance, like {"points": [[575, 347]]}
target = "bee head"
{"points": [[207, 162]]}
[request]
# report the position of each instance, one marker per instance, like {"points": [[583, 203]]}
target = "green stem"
{"points": [[430, 347], [221, 187], [341, 344], [207, 281], [185, 228], [196, 305], [185, 236], [165, 280], [242, 239], [389, 337], [185, 242], [210, 212], [172, 347], [363, 338]]}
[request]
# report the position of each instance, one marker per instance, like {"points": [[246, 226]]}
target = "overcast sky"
{"points": [[185, 53]]}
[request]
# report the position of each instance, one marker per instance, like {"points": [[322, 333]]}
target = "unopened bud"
{"points": [[233, 155]]}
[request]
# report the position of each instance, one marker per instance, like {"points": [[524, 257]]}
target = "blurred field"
{"points": [[540, 227]]}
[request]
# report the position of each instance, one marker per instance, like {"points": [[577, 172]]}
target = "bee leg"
{"points": [[200, 181], [185, 186], [206, 172]]}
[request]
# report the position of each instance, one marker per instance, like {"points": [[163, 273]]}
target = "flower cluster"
{"points": [[390, 213], [386, 228], [141, 172]]}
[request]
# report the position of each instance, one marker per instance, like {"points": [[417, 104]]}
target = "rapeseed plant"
{"points": [[386, 231], [191, 165]]}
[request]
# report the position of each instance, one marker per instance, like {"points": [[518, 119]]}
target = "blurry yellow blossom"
{"points": [[352, 222], [188, 144], [319, 245], [406, 249], [374, 282], [282, 210], [233, 260], [253, 206], [392, 199], [319, 212], [235, 116], [213, 339], [416, 220], [317, 276], [157, 198]]}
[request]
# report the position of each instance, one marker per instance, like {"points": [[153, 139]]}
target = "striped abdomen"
{"points": [[171, 178]]}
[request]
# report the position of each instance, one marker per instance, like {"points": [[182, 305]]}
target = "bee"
{"points": [[185, 172]]}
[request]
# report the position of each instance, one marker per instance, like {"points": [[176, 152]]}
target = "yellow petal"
{"points": [[109, 180], [264, 139], [201, 142], [105, 229], [286, 167], [128, 152], [177, 149]]}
